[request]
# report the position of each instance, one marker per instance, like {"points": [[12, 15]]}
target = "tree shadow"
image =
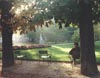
{"points": [[30, 69]]}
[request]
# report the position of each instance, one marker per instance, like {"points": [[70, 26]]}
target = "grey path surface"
{"points": [[34, 69]]}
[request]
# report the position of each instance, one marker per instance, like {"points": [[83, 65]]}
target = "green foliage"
{"points": [[38, 19], [52, 34], [31, 36], [97, 32], [96, 11], [97, 45], [70, 11], [43, 10], [75, 36], [67, 11]]}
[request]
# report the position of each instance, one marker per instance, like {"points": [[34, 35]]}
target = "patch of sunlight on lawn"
{"points": [[97, 53], [97, 56], [62, 57], [62, 49]]}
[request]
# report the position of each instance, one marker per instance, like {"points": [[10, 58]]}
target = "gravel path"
{"points": [[34, 69]]}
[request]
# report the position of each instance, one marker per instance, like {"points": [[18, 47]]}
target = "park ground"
{"points": [[36, 69]]}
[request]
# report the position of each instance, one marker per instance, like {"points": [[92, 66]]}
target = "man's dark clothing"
{"points": [[75, 52]]}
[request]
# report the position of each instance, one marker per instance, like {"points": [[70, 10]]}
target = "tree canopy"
{"points": [[27, 15]]}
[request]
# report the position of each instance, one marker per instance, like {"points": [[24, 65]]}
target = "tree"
{"points": [[11, 22], [6, 34], [88, 60]]}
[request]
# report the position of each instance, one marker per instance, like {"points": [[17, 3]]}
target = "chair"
{"points": [[19, 56], [44, 55], [73, 60]]}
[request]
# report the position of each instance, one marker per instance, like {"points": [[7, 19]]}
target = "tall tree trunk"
{"points": [[88, 59], [8, 56]]}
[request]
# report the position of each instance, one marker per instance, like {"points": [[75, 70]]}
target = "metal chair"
{"points": [[19, 56], [44, 55]]}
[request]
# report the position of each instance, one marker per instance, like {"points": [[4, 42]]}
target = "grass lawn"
{"points": [[59, 52], [97, 50]]}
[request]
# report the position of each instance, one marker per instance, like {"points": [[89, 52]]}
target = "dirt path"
{"points": [[33, 69]]}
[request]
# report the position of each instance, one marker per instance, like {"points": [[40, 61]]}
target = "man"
{"points": [[75, 52]]}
